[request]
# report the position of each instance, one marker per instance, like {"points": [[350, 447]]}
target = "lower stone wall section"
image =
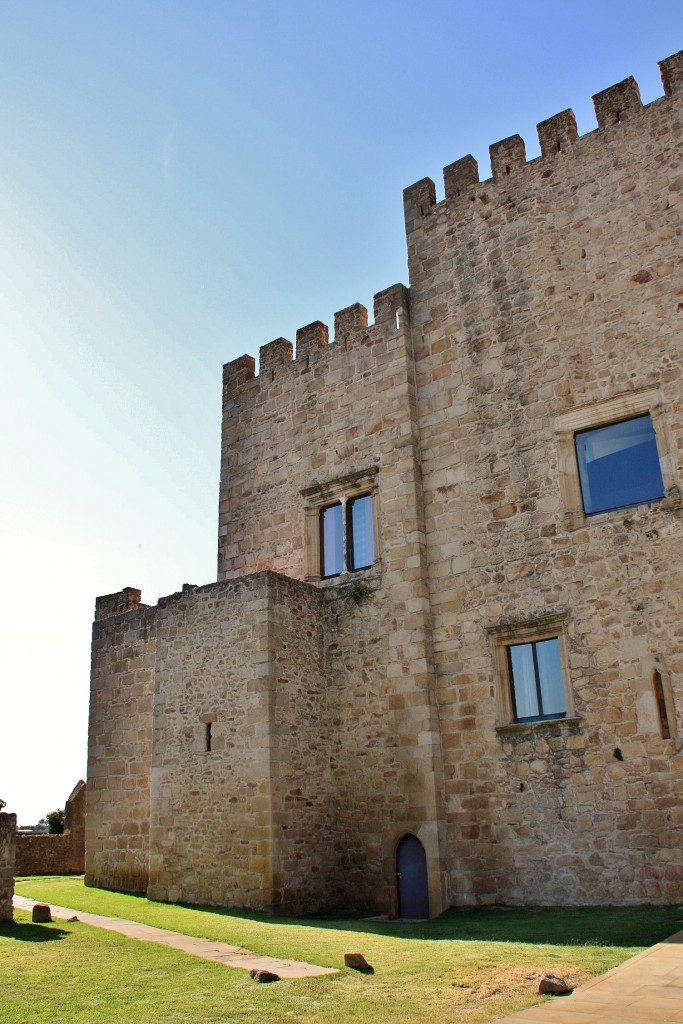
{"points": [[48, 855], [8, 827], [56, 855], [120, 744]]}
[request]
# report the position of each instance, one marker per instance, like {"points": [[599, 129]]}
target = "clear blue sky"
{"points": [[182, 182]]}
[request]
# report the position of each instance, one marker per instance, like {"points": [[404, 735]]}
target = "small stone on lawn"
{"points": [[551, 985], [41, 914], [356, 961], [263, 976]]}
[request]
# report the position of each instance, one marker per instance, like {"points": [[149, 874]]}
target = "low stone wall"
{"points": [[8, 826], [48, 855], [56, 855]]}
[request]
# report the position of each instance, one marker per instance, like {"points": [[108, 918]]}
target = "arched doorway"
{"points": [[411, 878]]}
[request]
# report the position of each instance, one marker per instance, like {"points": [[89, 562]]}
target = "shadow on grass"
{"points": [[554, 926], [628, 927], [30, 932]]}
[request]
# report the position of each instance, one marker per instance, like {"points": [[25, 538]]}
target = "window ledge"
{"points": [[574, 520], [542, 723], [349, 577]]}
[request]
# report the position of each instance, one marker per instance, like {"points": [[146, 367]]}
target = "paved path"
{"points": [[220, 952], [647, 989]]}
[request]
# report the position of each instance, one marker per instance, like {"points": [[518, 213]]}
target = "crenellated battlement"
{"points": [[391, 308], [618, 104]]}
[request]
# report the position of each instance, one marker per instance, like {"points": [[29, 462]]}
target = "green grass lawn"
{"points": [[470, 965]]}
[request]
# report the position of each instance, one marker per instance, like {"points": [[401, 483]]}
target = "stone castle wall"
{"points": [[120, 743], [347, 712], [8, 827], [303, 433], [549, 290], [211, 834]]}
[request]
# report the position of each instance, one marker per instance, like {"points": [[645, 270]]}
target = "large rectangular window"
{"points": [[359, 537], [618, 465], [341, 527], [537, 683], [531, 662], [360, 532]]}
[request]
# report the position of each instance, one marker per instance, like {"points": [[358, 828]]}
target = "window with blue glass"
{"points": [[347, 537], [537, 683], [331, 540], [618, 465], [360, 532]]}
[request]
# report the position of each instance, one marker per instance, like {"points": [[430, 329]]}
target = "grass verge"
{"points": [[469, 965]]}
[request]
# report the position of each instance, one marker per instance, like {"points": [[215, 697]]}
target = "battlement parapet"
{"points": [[671, 70], [618, 103], [391, 308], [349, 320], [311, 337], [239, 371], [557, 134], [109, 605], [507, 157], [457, 177]]}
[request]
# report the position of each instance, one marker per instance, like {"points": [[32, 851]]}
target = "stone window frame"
{"points": [[546, 627], [643, 401], [341, 490]]}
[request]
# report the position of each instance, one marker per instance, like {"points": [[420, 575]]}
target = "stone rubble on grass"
{"points": [[550, 985], [263, 976], [356, 961], [41, 914]]}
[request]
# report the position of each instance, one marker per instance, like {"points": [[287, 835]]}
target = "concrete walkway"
{"points": [[647, 989], [219, 952]]}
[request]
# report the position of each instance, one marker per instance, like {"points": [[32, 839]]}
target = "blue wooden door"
{"points": [[411, 870]]}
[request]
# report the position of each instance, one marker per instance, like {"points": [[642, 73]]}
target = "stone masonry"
{"points": [[43, 854], [8, 828], [267, 740]]}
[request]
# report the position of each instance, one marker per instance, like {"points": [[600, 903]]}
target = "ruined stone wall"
{"points": [[8, 826], [60, 854], [46, 855], [120, 743], [74, 824], [535, 297]]}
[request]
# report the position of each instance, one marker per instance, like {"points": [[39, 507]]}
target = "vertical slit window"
{"points": [[207, 737], [331, 540], [360, 532], [658, 686]]}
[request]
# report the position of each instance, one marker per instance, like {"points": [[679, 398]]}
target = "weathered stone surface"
{"points": [[550, 985], [41, 914], [263, 976], [60, 854], [356, 961], [8, 826], [231, 724]]}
